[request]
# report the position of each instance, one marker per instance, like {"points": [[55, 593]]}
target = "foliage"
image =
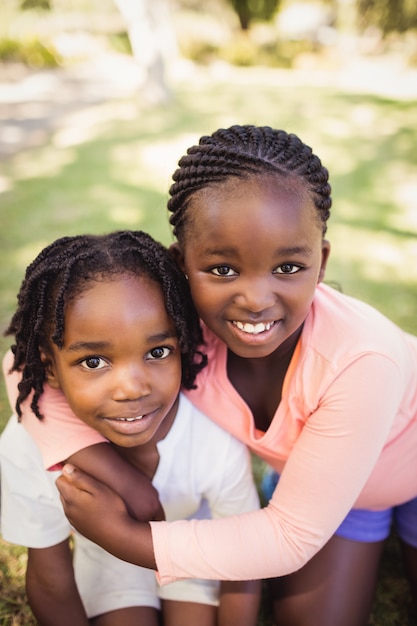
{"points": [[44, 5], [32, 52], [242, 50], [120, 42], [388, 15], [249, 10]]}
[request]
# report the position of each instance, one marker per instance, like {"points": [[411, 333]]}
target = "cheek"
{"points": [[167, 378], [298, 299], [205, 306], [201, 294], [84, 401]]}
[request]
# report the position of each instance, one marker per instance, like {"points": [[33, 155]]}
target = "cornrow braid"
{"points": [[64, 269], [246, 151]]}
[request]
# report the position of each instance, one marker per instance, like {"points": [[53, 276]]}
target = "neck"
{"points": [[277, 361], [259, 381]]}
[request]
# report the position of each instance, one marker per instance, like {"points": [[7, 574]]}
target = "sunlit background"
{"points": [[90, 137], [87, 145]]}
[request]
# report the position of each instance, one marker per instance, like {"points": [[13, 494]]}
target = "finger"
{"points": [[80, 479], [73, 478]]}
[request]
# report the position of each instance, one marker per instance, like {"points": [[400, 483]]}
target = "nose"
{"points": [[131, 383], [256, 294]]}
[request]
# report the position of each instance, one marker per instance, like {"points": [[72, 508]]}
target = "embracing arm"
{"points": [[326, 471]]}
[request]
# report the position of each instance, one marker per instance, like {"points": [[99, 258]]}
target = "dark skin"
{"points": [[50, 586], [53, 596], [410, 564], [104, 461], [259, 381]]}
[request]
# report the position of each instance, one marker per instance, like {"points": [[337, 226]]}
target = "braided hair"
{"points": [[244, 152], [64, 269]]}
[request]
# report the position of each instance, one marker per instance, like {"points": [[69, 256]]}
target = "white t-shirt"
{"points": [[203, 472]]}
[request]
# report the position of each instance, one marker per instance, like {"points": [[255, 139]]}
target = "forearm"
{"points": [[130, 541], [51, 589], [103, 462], [239, 603]]}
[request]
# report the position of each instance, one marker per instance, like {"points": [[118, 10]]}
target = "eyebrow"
{"points": [[303, 250], [81, 346], [97, 346]]}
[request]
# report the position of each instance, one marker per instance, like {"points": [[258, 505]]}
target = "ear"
{"points": [[49, 365], [177, 254], [325, 253]]}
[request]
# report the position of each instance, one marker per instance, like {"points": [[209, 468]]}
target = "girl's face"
{"points": [[120, 366], [253, 252]]}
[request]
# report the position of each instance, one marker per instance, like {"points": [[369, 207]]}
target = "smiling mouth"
{"points": [[128, 419], [253, 329]]}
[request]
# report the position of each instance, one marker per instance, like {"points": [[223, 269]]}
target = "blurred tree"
{"points": [[248, 10], [152, 39], [388, 15]]}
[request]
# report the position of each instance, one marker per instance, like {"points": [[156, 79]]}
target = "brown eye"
{"points": [[223, 270], [287, 268], [93, 363], [161, 352]]}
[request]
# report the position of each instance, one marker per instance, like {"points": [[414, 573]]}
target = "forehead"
{"points": [[269, 204], [125, 298]]}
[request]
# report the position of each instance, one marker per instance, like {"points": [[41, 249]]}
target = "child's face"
{"points": [[253, 252], [120, 366]]}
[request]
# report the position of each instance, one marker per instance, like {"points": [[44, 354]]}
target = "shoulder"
{"points": [[339, 325], [16, 444], [341, 335]]}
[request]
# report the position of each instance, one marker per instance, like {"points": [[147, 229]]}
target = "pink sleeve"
{"points": [[323, 477], [60, 433]]}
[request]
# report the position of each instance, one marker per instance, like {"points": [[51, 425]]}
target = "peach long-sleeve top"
{"points": [[344, 435]]}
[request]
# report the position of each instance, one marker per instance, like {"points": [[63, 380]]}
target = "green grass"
{"points": [[113, 170]]}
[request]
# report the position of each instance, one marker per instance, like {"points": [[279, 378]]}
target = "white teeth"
{"points": [[253, 329], [129, 419]]}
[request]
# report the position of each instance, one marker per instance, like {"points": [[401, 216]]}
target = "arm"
{"points": [[51, 588], [326, 471], [239, 601], [106, 465]]}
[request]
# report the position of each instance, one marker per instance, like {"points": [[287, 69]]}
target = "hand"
{"points": [[99, 514], [111, 466], [91, 507]]}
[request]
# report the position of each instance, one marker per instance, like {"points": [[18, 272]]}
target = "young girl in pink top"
{"points": [[321, 386]]}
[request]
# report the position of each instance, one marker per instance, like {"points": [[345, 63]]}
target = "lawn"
{"points": [[111, 170]]}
